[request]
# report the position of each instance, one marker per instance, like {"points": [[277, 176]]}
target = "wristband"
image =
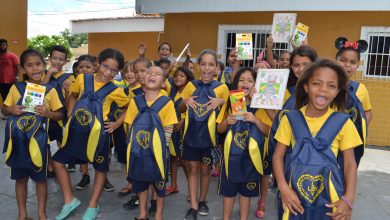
{"points": [[347, 202]]}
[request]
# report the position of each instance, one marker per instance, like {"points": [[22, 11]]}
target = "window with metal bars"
{"points": [[376, 60], [227, 41]]}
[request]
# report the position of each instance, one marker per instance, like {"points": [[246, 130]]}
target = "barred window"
{"points": [[227, 41], [376, 60]]}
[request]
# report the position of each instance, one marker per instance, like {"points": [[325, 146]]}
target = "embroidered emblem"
{"points": [[83, 116], [99, 159], [143, 138], [240, 139], [206, 160], [251, 185], [282, 113], [310, 187], [160, 185], [26, 123], [353, 113], [201, 110]]}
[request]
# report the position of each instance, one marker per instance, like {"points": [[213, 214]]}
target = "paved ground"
{"points": [[373, 197]]}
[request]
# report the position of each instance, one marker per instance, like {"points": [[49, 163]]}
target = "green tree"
{"points": [[75, 40], [43, 43]]}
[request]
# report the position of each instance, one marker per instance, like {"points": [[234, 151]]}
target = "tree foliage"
{"points": [[43, 43], [75, 40]]}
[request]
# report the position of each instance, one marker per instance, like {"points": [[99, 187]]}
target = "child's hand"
{"points": [[110, 126], [15, 110], [66, 85], [270, 41], [249, 116], [42, 110], [343, 211], [177, 127], [188, 54], [190, 102], [290, 200], [231, 120], [52, 70], [141, 49], [214, 103]]}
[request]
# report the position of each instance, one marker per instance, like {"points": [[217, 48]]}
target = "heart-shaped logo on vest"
{"points": [[353, 114], [83, 116], [240, 139], [201, 110], [251, 185], [206, 160], [143, 138], [310, 187], [99, 159], [26, 123], [160, 185]]}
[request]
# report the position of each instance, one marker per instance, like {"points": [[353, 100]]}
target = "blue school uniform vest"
{"points": [[358, 117], [243, 150], [147, 151], [175, 143], [287, 106], [224, 77], [85, 127], [26, 138], [138, 91], [57, 84], [200, 123], [312, 169]]}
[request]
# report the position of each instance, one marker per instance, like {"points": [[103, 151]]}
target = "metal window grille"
{"points": [[376, 60], [227, 41]]}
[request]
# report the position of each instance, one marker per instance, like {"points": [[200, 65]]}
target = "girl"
{"points": [[201, 99], [315, 129], [245, 185], [283, 61], [301, 58], [348, 56], [180, 79], [18, 138], [89, 107]]}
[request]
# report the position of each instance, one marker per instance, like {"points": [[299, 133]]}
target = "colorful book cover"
{"points": [[300, 34], [271, 88], [237, 102], [283, 27], [244, 46], [33, 95]]}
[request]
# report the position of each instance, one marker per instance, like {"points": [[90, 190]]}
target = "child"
{"points": [[27, 146], [86, 64], [188, 62], [283, 62], [61, 81], [311, 183], [201, 100], [242, 163], [180, 79], [358, 101], [149, 118], [85, 137], [301, 58]]}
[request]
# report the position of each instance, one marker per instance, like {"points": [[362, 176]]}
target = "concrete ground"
{"points": [[373, 194]]}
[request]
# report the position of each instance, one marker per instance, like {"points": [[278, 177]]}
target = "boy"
{"points": [[154, 82]]}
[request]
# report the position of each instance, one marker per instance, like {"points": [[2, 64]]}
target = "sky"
{"points": [[52, 17]]}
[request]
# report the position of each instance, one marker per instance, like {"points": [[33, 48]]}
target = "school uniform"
{"points": [[85, 139], [310, 178], [200, 123], [147, 159], [26, 139]]}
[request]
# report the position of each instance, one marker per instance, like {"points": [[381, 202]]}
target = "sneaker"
{"points": [[132, 203], [153, 207], [71, 168], [68, 208], [108, 187], [51, 174], [203, 209], [91, 213], [192, 214], [84, 182]]}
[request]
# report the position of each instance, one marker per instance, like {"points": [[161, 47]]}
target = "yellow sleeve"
{"points": [[222, 92], [188, 90], [12, 97], [349, 136], [167, 87], [362, 94], [166, 116], [119, 97], [262, 115], [284, 132], [131, 112], [286, 96], [71, 78], [52, 100], [78, 84]]}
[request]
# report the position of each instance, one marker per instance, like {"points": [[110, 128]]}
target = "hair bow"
{"points": [[349, 44]]}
